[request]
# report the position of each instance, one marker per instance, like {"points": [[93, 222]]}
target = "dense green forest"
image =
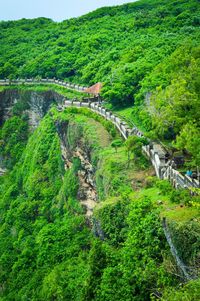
{"points": [[146, 53], [147, 56]]}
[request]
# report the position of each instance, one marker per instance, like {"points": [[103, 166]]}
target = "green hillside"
{"points": [[127, 47], [49, 251], [146, 53], [55, 164]]}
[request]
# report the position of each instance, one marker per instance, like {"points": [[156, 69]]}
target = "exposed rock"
{"points": [[2, 167], [7, 99], [97, 230], [87, 194], [87, 190], [37, 104]]}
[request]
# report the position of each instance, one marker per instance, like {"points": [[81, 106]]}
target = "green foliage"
{"points": [[185, 237], [70, 186], [146, 53], [13, 138], [189, 139], [151, 65], [164, 186], [189, 292], [123, 49], [134, 147], [116, 143], [110, 177], [177, 104], [38, 208], [173, 101], [47, 250], [182, 196], [138, 260], [113, 221]]}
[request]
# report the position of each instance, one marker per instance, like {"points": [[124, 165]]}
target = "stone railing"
{"points": [[155, 152], [43, 81], [35, 81]]}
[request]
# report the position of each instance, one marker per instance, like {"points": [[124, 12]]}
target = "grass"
{"points": [[96, 131], [172, 211], [100, 131], [124, 113], [68, 93], [182, 214], [128, 115], [115, 164]]}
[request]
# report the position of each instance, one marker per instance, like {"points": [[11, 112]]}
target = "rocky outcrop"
{"points": [[36, 104], [39, 104], [87, 194], [87, 191], [7, 100]]}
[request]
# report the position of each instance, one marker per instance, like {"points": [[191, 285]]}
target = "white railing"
{"points": [[35, 81], [154, 151]]}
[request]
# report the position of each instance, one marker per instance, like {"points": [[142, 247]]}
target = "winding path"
{"points": [[154, 151]]}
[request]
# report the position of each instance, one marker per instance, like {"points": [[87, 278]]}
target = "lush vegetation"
{"points": [[47, 249], [147, 55], [68, 93]]}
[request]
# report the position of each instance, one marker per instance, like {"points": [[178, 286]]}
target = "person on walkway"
{"points": [[189, 173]]}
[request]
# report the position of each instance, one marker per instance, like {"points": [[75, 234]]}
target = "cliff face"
{"points": [[78, 149], [19, 102], [35, 104], [7, 99], [73, 143]]}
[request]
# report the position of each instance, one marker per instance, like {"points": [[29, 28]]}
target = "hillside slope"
{"points": [[53, 245], [80, 210], [120, 46], [146, 53]]}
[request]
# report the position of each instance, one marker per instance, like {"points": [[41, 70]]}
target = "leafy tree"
{"points": [[116, 143], [189, 140], [134, 146]]}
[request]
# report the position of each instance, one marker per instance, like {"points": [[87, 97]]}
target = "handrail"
{"points": [[19, 81], [154, 151]]}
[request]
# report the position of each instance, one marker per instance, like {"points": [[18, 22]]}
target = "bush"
{"points": [[180, 196], [164, 186], [150, 182]]}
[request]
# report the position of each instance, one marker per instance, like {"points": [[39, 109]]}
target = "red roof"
{"points": [[95, 89]]}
